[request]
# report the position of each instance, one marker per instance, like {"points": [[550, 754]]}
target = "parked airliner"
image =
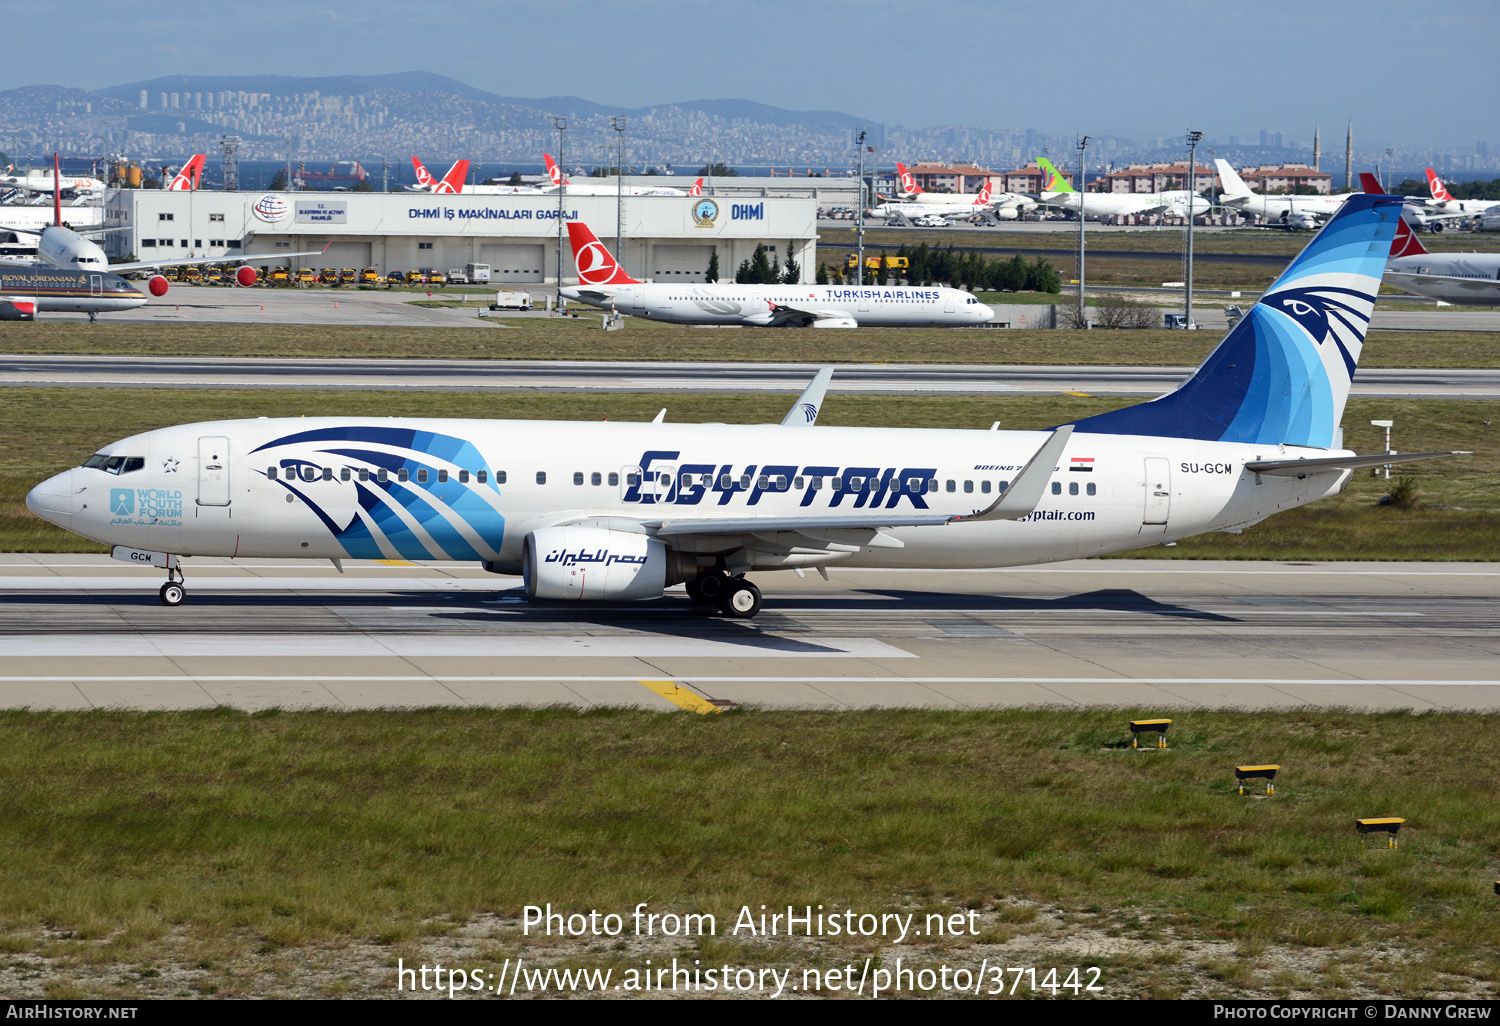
{"points": [[1004, 205], [602, 282], [1468, 278], [608, 186], [605, 510], [1059, 193], [1292, 211]]}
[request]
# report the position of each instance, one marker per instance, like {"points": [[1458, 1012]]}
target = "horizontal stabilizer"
{"points": [[1301, 468]]}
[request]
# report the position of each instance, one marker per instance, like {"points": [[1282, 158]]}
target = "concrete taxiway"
{"points": [[83, 631], [605, 376]]}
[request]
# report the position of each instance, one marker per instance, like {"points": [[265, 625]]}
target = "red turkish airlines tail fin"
{"points": [[553, 171], [983, 199], [697, 189], [596, 264], [1405, 241], [423, 177], [908, 183], [1439, 190], [453, 181], [190, 176]]}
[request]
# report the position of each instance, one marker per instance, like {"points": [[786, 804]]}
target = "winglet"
{"points": [[804, 412], [1021, 498]]}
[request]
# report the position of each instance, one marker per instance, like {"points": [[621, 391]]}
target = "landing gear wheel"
{"points": [[741, 599], [707, 589], [172, 594]]}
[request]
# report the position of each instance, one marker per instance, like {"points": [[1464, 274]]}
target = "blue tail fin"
{"points": [[1282, 374]]}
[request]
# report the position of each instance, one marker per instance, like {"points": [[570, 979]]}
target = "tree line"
{"points": [[967, 269]]}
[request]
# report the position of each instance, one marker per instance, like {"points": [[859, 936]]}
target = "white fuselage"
{"points": [[1274, 207], [755, 305], [1111, 204], [42, 181], [63, 247], [1470, 278], [386, 488], [611, 187]]}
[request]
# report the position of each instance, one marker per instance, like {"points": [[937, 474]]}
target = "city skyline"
{"points": [[1152, 69]]}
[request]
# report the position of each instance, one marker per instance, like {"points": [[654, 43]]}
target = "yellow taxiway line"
{"points": [[678, 695]]}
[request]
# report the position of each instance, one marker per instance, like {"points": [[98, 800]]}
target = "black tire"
{"points": [[741, 600], [710, 588], [172, 594]]}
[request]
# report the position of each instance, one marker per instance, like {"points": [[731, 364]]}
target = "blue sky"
{"points": [[1405, 72]]}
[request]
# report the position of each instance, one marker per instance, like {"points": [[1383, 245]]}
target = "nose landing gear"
{"points": [[173, 592]]}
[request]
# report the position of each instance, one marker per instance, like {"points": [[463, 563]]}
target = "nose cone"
{"points": [[52, 500], [985, 313]]}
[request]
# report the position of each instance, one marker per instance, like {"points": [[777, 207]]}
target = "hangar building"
{"points": [[667, 238]]}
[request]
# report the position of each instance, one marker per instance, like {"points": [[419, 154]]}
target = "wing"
{"points": [[787, 315], [839, 533], [245, 258], [1301, 468]]}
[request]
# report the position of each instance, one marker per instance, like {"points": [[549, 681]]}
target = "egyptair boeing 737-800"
{"points": [[620, 511], [602, 282]]}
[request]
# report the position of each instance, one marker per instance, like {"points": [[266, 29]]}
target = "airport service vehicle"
{"points": [[192, 275], [478, 274], [456, 276], [307, 276], [1292, 211], [369, 276], [603, 283], [24, 292], [348, 276], [930, 221], [1059, 193], [172, 274], [608, 186], [278, 276], [505, 300], [612, 511], [1472, 278], [395, 278]]}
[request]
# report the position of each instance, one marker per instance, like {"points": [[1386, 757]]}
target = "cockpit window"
{"points": [[114, 464]]}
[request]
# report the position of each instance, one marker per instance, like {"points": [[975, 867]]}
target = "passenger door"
{"points": [[213, 470], [1158, 507]]}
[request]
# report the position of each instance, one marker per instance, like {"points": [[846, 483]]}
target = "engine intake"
{"points": [[595, 563]]}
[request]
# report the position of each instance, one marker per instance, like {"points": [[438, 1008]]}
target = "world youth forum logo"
{"points": [[122, 501], [705, 213]]}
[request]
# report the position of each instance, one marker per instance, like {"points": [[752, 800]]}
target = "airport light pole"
{"points": [[859, 231], [617, 122], [560, 122], [1192, 177], [1083, 145]]}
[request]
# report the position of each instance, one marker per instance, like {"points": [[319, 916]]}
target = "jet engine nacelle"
{"points": [[1006, 213], [594, 563], [157, 286], [17, 310]]}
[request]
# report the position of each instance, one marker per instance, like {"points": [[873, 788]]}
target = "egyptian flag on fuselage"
{"points": [[1082, 464]]}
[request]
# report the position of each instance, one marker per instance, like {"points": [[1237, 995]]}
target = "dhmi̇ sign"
{"points": [[322, 211]]}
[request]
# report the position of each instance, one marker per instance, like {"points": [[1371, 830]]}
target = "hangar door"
{"points": [[514, 263], [684, 263], [341, 254]]}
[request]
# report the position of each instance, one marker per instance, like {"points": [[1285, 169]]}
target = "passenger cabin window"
{"points": [[364, 475], [382, 475], [327, 473], [1072, 487], [596, 478], [1056, 487], [614, 479], [463, 477], [1092, 488], [541, 477], [578, 477], [344, 474], [270, 473], [422, 476], [499, 476]]}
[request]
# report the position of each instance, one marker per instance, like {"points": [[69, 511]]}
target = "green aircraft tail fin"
{"points": [[1055, 181]]}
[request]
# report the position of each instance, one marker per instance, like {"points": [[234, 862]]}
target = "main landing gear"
{"points": [[173, 592], [734, 596]]}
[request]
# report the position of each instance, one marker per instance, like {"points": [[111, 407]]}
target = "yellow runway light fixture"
{"points": [[1157, 727], [1244, 773], [1388, 825]]}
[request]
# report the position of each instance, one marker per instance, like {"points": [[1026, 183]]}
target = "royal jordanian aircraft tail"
{"points": [[612, 511], [602, 282]]}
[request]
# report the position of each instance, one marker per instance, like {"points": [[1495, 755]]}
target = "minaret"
{"points": [[1317, 147], [1349, 159]]}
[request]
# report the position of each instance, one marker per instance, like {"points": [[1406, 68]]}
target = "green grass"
{"points": [[1457, 516], [581, 338], [228, 840]]}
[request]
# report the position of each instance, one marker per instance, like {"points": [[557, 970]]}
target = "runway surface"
{"points": [[84, 631], [602, 376]]}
